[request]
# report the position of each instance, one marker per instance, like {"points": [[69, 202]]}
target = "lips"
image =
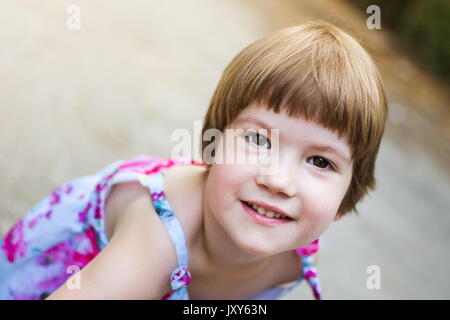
{"points": [[262, 218], [268, 207]]}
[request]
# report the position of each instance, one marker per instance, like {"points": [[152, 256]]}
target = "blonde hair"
{"points": [[318, 72]]}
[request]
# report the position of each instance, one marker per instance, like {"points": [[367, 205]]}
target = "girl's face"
{"points": [[311, 179]]}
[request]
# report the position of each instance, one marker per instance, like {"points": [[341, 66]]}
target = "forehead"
{"points": [[297, 130]]}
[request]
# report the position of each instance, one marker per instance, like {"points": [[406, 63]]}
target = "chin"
{"points": [[257, 247]]}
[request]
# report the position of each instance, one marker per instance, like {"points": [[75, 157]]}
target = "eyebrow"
{"points": [[321, 147]]}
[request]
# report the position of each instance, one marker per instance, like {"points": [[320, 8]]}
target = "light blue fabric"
{"points": [[155, 183]]}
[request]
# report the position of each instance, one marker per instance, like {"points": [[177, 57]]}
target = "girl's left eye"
{"points": [[259, 139], [321, 163]]}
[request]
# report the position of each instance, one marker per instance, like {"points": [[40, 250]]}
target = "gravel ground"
{"points": [[76, 100]]}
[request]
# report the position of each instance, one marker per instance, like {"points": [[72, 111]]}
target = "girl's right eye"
{"points": [[322, 163], [258, 139]]}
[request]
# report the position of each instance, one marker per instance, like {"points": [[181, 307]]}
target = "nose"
{"points": [[283, 180]]}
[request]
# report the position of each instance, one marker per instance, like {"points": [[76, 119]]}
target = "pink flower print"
{"points": [[33, 222], [60, 253], [135, 163], [311, 248], [180, 277], [48, 214], [69, 189], [98, 211], [168, 163], [14, 244], [110, 176], [83, 213], [90, 251], [55, 197], [157, 196], [141, 164], [310, 274], [167, 295], [316, 292], [91, 235], [65, 254], [100, 186]]}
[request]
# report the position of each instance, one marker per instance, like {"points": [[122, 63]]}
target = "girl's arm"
{"points": [[137, 262]]}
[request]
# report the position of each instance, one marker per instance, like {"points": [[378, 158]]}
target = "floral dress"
{"points": [[64, 231]]}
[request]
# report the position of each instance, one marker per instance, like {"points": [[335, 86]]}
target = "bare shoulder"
{"points": [[139, 250], [129, 211], [183, 187], [121, 196]]}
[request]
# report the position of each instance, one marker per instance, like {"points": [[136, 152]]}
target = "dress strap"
{"points": [[150, 172], [171, 222], [308, 272], [180, 277]]}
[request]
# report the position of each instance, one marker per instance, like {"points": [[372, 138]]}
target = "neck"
{"points": [[225, 256], [220, 253]]}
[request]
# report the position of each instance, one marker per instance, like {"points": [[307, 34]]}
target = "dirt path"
{"points": [[74, 101]]}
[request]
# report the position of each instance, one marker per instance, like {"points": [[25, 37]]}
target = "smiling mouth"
{"points": [[266, 213]]}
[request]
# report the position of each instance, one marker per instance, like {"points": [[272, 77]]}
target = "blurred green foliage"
{"points": [[423, 26]]}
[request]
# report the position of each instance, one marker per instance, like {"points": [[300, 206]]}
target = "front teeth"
{"points": [[265, 212]]}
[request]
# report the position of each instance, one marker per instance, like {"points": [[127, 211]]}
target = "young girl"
{"points": [[152, 228]]}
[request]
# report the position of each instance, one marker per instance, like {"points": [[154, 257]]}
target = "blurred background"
{"points": [[76, 100]]}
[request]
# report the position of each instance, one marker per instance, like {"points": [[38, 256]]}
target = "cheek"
{"points": [[316, 221], [325, 196], [223, 185], [321, 205]]}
